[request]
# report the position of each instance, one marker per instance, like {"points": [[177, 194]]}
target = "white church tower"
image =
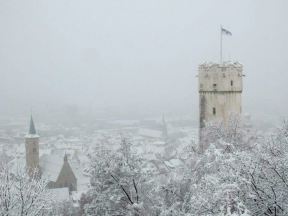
{"points": [[220, 90]]}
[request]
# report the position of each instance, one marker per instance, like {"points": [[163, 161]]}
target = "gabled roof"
{"points": [[51, 166], [66, 169], [150, 133]]}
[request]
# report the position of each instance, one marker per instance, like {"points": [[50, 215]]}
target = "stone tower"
{"points": [[32, 149], [220, 90]]}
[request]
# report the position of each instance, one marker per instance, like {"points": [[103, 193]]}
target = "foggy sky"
{"points": [[137, 55]]}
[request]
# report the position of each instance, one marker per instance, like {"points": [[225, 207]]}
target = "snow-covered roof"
{"points": [[150, 133], [51, 165], [173, 163], [31, 136], [223, 64], [59, 194]]}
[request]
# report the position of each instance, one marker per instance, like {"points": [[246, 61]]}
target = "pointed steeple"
{"points": [[164, 127], [163, 119], [32, 129], [65, 158]]}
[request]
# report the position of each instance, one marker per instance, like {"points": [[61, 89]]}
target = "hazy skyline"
{"points": [[138, 56]]}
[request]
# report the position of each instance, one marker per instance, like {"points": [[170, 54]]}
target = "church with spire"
{"points": [[53, 168]]}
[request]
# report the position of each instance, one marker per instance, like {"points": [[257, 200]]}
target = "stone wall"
{"points": [[32, 153], [220, 89]]}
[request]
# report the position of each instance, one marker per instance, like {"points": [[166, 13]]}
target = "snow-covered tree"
{"points": [[21, 194], [118, 185], [231, 135], [214, 182], [64, 208], [239, 174], [267, 175]]}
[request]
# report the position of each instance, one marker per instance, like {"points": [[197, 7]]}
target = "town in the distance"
{"points": [[62, 155]]}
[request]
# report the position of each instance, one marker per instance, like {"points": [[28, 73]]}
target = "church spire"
{"points": [[32, 150], [164, 127], [32, 129]]}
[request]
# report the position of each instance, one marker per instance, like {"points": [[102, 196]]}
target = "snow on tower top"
{"points": [[210, 66], [225, 77]]}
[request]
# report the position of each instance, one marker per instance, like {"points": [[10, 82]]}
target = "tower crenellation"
{"points": [[220, 77]]}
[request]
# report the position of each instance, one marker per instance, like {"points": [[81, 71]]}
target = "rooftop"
{"points": [[208, 65]]}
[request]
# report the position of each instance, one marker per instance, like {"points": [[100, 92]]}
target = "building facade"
{"points": [[220, 91], [32, 149]]}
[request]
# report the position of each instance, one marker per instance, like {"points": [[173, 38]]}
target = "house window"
{"points": [[214, 111], [231, 82]]}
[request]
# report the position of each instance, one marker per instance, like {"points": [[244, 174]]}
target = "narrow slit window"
{"points": [[214, 111], [231, 82]]}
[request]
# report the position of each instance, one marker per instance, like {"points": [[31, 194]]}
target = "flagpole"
{"points": [[220, 44]]}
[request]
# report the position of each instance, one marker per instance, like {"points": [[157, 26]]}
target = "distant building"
{"points": [[150, 133], [32, 149], [58, 171], [164, 128], [220, 91]]}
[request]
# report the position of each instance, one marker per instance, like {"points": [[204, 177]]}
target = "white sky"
{"points": [[138, 55]]}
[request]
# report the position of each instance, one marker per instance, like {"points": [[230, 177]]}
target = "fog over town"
{"points": [[137, 58], [143, 108]]}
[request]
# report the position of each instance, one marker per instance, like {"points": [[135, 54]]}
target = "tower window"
{"points": [[231, 82], [214, 111], [214, 85]]}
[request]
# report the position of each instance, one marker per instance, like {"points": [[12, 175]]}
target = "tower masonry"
{"points": [[220, 90], [32, 149]]}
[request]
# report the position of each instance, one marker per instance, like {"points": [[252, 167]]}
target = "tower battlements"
{"points": [[226, 77]]}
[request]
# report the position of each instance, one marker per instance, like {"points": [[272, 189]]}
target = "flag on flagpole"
{"points": [[225, 31]]}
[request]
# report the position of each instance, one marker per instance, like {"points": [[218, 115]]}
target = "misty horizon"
{"points": [[137, 59]]}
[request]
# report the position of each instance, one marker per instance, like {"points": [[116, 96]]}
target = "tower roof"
{"points": [[32, 130]]}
